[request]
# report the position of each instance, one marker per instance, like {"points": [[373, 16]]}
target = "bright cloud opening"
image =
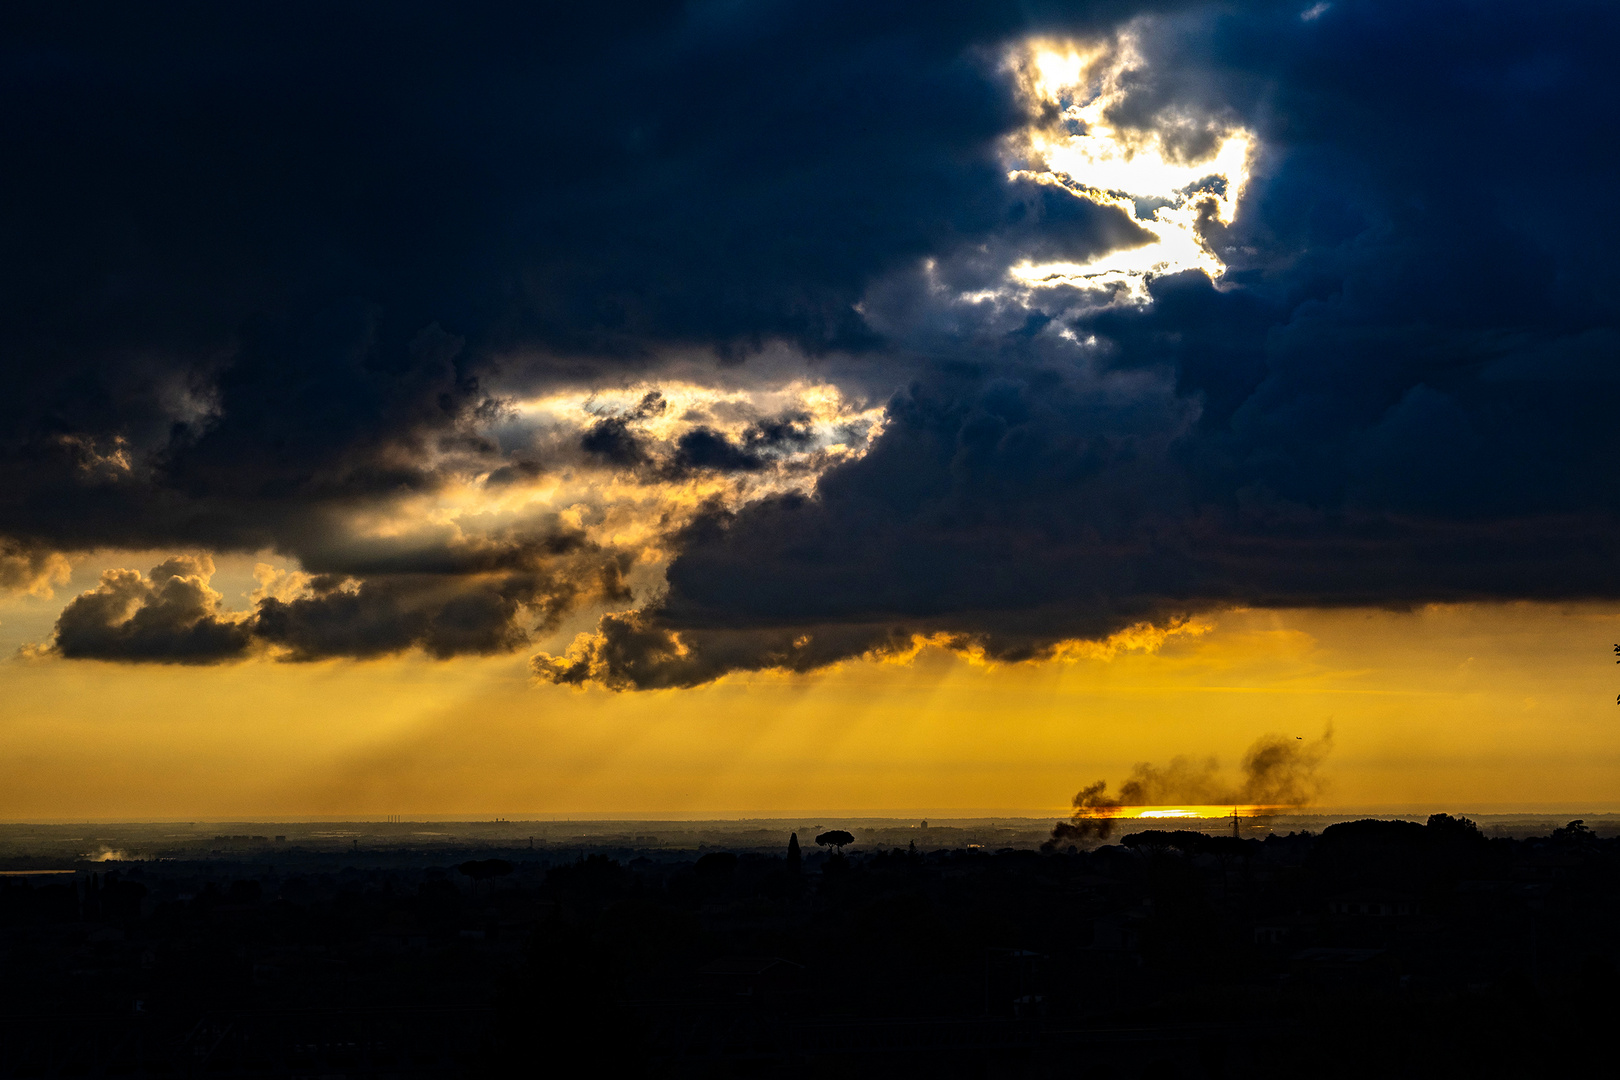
{"points": [[1170, 194]]}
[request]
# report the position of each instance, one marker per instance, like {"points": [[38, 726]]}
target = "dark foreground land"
{"points": [[1375, 948]]}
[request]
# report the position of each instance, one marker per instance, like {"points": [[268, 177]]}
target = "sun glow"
{"points": [[1179, 178], [1193, 813]]}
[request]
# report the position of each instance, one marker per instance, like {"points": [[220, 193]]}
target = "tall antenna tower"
{"points": [[1236, 835]]}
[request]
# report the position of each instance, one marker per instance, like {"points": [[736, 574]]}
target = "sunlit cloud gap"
{"points": [[614, 504], [1170, 195]]}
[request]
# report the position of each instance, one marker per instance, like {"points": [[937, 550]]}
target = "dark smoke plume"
{"points": [[1278, 771]]}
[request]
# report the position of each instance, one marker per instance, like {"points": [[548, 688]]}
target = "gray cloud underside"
{"points": [[262, 275], [169, 616], [172, 616]]}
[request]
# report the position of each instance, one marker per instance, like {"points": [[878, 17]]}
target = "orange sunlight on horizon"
{"points": [[1461, 708]]}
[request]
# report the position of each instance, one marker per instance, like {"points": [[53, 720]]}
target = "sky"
{"points": [[717, 409]]}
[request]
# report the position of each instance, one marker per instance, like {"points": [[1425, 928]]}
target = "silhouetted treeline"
{"points": [[1374, 948]]}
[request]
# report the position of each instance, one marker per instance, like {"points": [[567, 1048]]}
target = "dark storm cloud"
{"points": [[260, 261], [265, 264], [632, 651], [442, 616], [703, 449], [459, 600], [1404, 391], [706, 449], [274, 248], [461, 606], [617, 441], [612, 441], [449, 603], [169, 616]]}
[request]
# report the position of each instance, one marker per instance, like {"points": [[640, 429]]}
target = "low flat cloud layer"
{"points": [[768, 336]]}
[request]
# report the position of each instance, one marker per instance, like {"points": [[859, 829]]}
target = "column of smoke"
{"points": [[1277, 771]]}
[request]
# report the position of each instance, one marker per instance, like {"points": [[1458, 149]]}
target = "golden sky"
{"points": [[1465, 708]]}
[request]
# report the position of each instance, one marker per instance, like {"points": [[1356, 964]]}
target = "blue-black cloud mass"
{"points": [[270, 267]]}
